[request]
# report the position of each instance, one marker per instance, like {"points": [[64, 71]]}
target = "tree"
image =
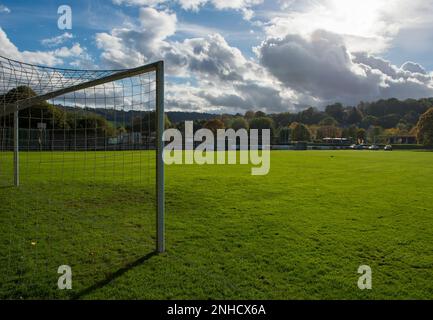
{"points": [[249, 115], [328, 132], [403, 127], [382, 107], [300, 132], [239, 123], [411, 118], [336, 111], [350, 132], [328, 121], [368, 121], [354, 116], [260, 114], [146, 122], [283, 119], [262, 123], [425, 129], [389, 121], [227, 120], [285, 135], [374, 133], [214, 125], [310, 116], [55, 117], [17, 94]]}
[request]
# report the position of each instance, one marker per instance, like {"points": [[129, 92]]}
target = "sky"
{"points": [[230, 56]]}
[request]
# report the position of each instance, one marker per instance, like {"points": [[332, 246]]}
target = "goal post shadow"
{"points": [[110, 278]]}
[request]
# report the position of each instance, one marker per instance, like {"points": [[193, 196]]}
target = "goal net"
{"points": [[81, 175]]}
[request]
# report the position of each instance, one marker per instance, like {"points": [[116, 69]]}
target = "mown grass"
{"points": [[300, 232]]}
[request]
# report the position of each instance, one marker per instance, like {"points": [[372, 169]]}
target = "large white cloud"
{"points": [[368, 25], [224, 78], [321, 66], [211, 57], [135, 45]]}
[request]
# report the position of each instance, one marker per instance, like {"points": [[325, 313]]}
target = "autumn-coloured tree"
{"points": [[300, 132], [425, 129], [214, 125]]}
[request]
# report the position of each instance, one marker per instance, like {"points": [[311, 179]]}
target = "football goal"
{"points": [[81, 167]]}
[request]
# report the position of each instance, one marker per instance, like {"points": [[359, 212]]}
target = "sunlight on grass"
{"points": [[300, 232]]}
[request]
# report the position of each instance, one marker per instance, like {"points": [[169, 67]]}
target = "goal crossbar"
{"points": [[19, 105]]}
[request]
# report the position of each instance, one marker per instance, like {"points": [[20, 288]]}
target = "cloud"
{"points": [[238, 98], [298, 62], [322, 67], [58, 40], [8, 49], [224, 79], [246, 96], [212, 58], [138, 2], [413, 67], [244, 6], [368, 25], [193, 5], [230, 82], [136, 45], [47, 58], [409, 70], [315, 69], [65, 52], [4, 9]]}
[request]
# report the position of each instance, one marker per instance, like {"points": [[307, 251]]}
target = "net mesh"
{"points": [[87, 176]]}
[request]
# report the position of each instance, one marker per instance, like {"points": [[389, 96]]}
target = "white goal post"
{"points": [[138, 88]]}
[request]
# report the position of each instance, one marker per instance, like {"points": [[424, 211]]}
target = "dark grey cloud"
{"points": [[322, 67]]}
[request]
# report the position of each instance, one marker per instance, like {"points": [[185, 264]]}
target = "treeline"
{"points": [[374, 121], [128, 117], [53, 117]]}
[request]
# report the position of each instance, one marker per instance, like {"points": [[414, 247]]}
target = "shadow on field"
{"points": [[113, 276]]}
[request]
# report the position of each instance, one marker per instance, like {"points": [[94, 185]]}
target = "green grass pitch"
{"points": [[300, 232]]}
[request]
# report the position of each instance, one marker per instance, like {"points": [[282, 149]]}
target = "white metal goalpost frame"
{"points": [[87, 79]]}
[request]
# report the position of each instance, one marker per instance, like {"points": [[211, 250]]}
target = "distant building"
{"points": [[402, 140], [336, 140]]}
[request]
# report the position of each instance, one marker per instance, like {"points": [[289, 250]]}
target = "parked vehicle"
{"points": [[388, 147], [357, 147], [373, 147]]}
